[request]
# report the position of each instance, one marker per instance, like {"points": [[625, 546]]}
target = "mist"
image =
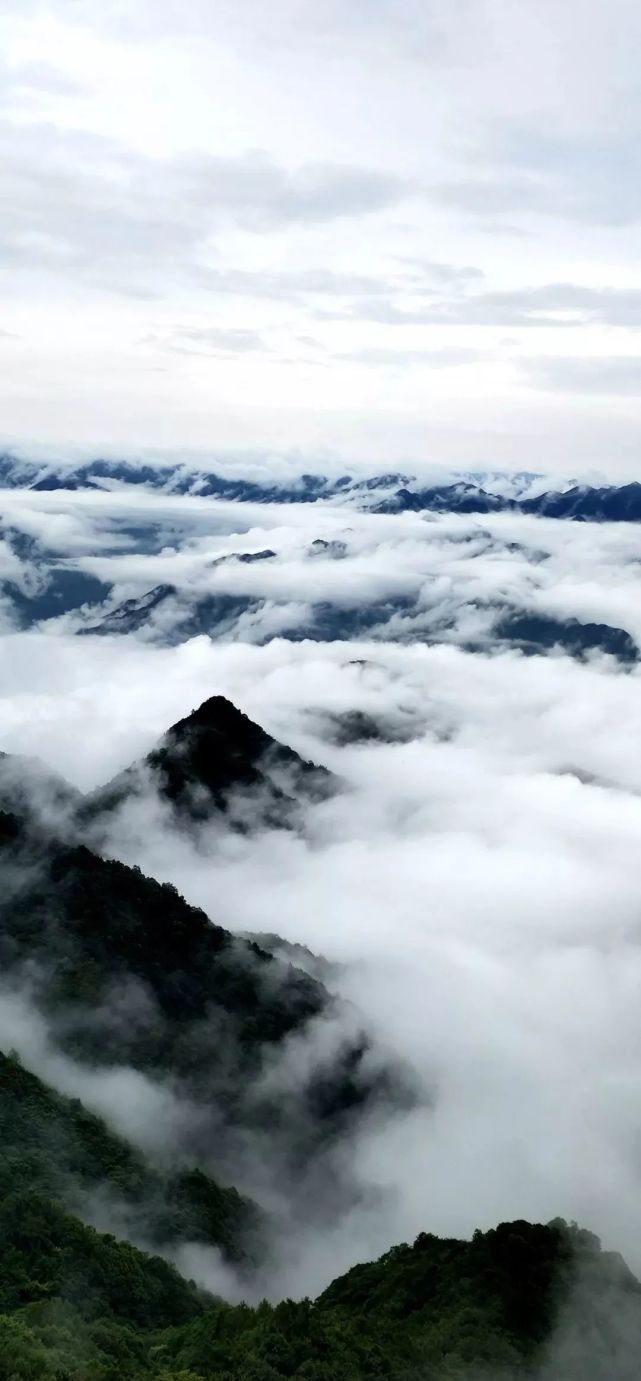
{"points": [[479, 898], [473, 881]]}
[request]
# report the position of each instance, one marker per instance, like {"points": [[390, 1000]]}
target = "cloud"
{"points": [[32, 80], [556, 305], [581, 177], [426, 576], [559, 304], [481, 896], [138, 1108], [407, 29], [398, 358], [220, 342], [619, 375], [420, 269], [82, 202], [476, 882]]}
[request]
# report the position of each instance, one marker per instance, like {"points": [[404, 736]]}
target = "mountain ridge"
{"points": [[400, 491], [520, 1302], [51, 1142]]}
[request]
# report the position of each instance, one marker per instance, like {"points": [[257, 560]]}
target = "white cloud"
{"points": [[619, 375], [480, 891], [477, 879], [447, 565]]}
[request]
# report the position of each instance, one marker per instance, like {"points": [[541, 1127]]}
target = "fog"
{"points": [[480, 890], [474, 880]]}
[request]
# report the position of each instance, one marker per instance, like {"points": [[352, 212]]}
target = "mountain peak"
{"points": [[217, 713], [218, 749], [214, 760]]}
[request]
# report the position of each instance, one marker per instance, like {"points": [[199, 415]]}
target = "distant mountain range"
{"points": [[168, 616], [255, 595], [527, 631], [182, 479], [581, 503], [391, 492]]}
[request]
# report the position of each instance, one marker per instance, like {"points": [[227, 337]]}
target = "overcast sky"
{"points": [[386, 230]]}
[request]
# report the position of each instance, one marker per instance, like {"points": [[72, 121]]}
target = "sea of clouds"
{"points": [[475, 881]]}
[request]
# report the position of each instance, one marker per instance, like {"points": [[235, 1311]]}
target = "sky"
{"points": [[392, 232]]}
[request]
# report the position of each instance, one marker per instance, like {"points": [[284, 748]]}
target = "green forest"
{"points": [[77, 1304]]}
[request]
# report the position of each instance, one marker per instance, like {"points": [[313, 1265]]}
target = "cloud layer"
{"points": [[475, 881]]}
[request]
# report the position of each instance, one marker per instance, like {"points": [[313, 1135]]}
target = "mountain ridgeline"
{"points": [[384, 493], [295, 591], [519, 1303], [51, 1145]]}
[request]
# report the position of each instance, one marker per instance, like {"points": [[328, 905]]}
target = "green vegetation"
{"points": [[52, 1145], [47, 1253], [81, 1305], [78, 1306]]}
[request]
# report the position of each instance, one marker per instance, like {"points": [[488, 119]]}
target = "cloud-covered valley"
{"points": [[473, 882], [329, 572]]}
